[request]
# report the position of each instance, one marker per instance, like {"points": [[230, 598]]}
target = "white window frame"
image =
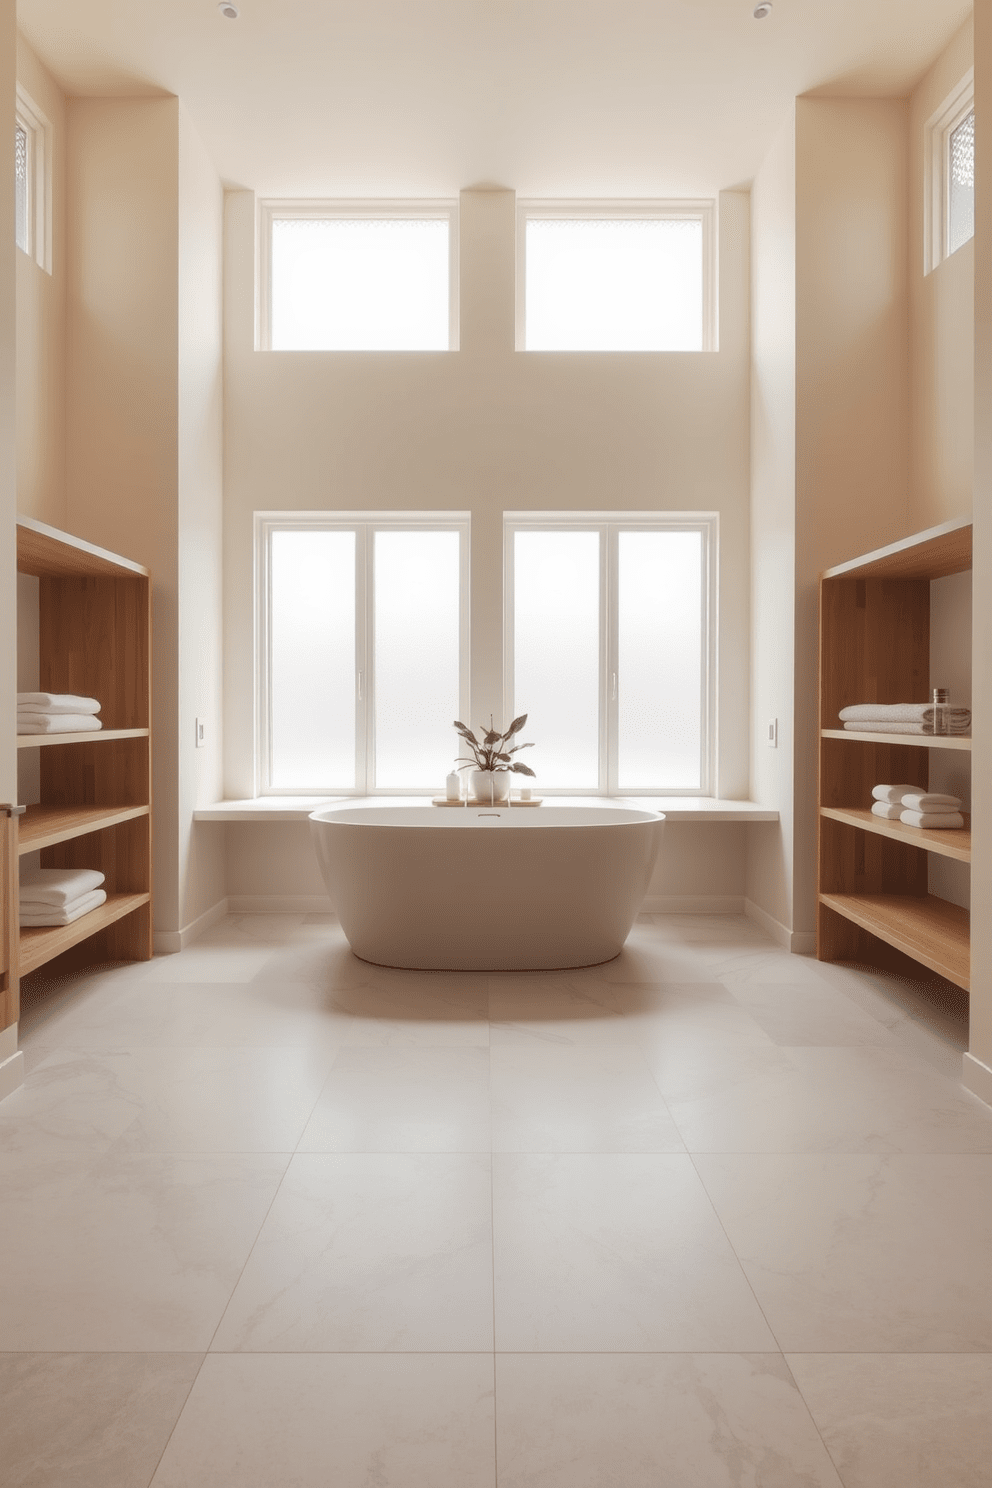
{"points": [[364, 524], [442, 210], [39, 194], [703, 211], [956, 107], [610, 523]]}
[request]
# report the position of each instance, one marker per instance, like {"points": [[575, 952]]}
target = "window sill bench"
{"points": [[298, 808]]}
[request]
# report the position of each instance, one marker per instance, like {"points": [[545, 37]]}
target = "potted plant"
{"points": [[493, 759]]}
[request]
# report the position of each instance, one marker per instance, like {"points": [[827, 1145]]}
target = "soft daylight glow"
{"points": [[614, 285], [343, 284]]}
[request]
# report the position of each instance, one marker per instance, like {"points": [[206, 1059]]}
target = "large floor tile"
{"points": [[218, 1100], [89, 1420], [70, 1105], [614, 1252], [801, 1014], [140, 1252], [203, 962], [902, 1420], [403, 1099], [547, 1009], [370, 1252], [333, 1421], [550, 1098], [833, 1100], [863, 1254], [417, 1008], [654, 1421]]}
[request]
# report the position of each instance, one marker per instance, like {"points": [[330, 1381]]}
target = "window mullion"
{"points": [[609, 729], [364, 594]]}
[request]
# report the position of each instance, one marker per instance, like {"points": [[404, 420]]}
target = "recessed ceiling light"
{"points": [[760, 11], [231, 11]]}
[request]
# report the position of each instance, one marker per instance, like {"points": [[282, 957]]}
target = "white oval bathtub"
{"points": [[486, 889]]}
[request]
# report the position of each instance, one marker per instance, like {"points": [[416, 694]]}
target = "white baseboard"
{"points": [[977, 1077], [279, 904], [799, 942], [692, 904], [11, 1074], [168, 942]]}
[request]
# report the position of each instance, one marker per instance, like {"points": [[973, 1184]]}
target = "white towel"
{"points": [[56, 887], [74, 911], [887, 810], [902, 713], [941, 820], [57, 723], [56, 702], [893, 793], [882, 726], [930, 801]]}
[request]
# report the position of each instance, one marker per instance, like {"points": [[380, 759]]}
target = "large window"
{"points": [[612, 276], [950, 174], [363, 632], [609, 638], [359, 277]]}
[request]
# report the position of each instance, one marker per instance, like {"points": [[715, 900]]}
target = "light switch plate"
{"points": [[201, 733], [772, 733]]}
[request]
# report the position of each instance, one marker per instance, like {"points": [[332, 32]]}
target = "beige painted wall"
{"points": [[485, 429], [122, 390], [978, 1069], [41, 326], [942, 310], [200, 520], [773, 520]]}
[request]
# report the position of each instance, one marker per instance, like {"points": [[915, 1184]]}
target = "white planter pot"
{"points": [[490, 785]]}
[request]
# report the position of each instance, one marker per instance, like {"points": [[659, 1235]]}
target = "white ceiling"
{"points": [[550, 97]]}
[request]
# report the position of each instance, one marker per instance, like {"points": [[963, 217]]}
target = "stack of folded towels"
{"points": [[917, 807], [57, 896], [905, 718], [56, 713]]}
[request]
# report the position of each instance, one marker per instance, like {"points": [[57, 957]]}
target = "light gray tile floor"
{"points": [[711, 1215]]}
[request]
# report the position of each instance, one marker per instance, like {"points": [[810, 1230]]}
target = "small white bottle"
{"points": [[453, 787]]}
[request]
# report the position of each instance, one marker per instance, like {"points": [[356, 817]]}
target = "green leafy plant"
{"points": [[494, 751]]}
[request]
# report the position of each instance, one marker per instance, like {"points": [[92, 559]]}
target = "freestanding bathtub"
{"points": [[486, 888]]}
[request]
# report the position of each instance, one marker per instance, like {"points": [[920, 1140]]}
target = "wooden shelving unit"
{"points": [[95, 808], [873, 874]]}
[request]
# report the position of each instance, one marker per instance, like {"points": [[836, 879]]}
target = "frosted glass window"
{"points": [[363, 284], [416, 626], [659, 660], [961, 184], [556, 656], [312, 660], [614, 284], [21, 168]]}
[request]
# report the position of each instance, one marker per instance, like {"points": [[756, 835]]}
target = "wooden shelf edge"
{"points": [[42, 549], [915, 741], [39, 944], [100, 736], [953, 842], [925, 928], [934, 553], [78, 821]]}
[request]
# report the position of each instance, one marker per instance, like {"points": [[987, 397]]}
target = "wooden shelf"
{"points": [[952, 842], [39, 944], [933, 554], [48, 553], [928, 929], [98, 736], [43, 826], [914, 741]]}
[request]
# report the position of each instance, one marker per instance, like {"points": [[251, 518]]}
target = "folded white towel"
{"points": [[57, 723], [883, 726], [53, 916], [901, 713], [57, 886], [930, 801], [893, 793], [941, 820], [57, 702], [887, 810]]}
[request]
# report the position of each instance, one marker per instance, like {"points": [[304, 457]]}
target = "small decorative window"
{"points": [[950, 183], [373, 276], [32, 186], [615, 276]]}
